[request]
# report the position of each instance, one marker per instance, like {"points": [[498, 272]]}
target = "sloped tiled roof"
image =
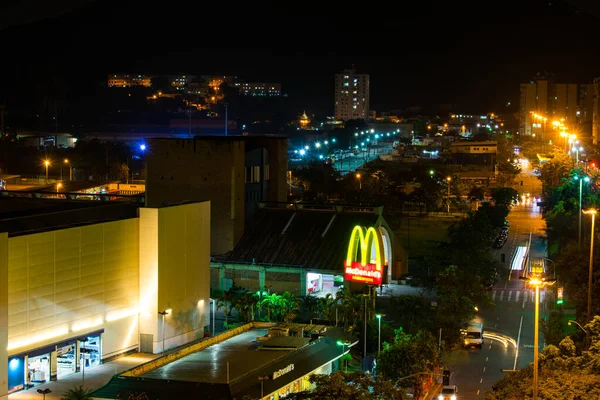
{"points": [[302, 243]]}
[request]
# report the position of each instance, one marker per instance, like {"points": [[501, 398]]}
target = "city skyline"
{"points": [[444, 56]]}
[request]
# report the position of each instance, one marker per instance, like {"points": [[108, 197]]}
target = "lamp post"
{"points": [[578, 324], [379, 316], [343, 343], [448, 179], [262, 380], [580, 179], [593, 212], [70, 169], [163, 313], [44, 392], [537, 282], [359, 181], [58, 186], [46, 164]]}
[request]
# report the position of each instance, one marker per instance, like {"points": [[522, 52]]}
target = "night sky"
{"points": [[417, 53]]}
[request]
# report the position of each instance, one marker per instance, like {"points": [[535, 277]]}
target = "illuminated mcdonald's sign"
{"points": [[365, 260]]}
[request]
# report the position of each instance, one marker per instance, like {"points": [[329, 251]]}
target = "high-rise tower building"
{"points": [[351, 95]]}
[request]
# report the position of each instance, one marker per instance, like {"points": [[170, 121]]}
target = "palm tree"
{"points": [[259, 296], [329, 307], [312, 305], [77, 393], [226, 303], [245, 303], [271, 303], [289, 306]]}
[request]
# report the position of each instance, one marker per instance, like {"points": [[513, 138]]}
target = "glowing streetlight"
{"points": [[317, 145], [46, 164], [537, 282], [586, 179], [448, 179], [379, 316], [593, 212], [343, 343], [58, 186], [359, 181], [66, 161], [142, 147], [163, 313]]}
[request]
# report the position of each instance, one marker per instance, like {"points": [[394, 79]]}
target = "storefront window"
{"points": [[39, 369], [91, 351], [65, 360]]}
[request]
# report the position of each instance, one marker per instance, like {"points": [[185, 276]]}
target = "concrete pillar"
{"points": [[222, 278], [53, 366], [26, 378], [303, 283], [77, 356], [3, 316], [262, 273]]}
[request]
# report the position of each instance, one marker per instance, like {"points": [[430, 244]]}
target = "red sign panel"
{"points": [[363, 273]]}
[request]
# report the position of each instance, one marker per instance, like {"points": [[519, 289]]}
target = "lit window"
{"points": [[345, 83]]}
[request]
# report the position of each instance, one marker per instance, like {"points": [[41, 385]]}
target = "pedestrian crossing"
{"points": [[523, 296]]}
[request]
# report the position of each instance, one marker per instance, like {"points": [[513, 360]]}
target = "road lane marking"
{"points": [[501, 295], [509, 295], [518, 342], [486, 359], [490, 346], [481, 380], [494, 296], [517, 295], [478, 393], [483, 369]]}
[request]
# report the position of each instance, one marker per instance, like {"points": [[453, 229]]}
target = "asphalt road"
{"points": [[511, 322]]}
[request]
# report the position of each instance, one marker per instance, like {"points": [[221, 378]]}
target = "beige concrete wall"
{"points": [[3, 316], [175, 272], [64, 283], [201, 170]]}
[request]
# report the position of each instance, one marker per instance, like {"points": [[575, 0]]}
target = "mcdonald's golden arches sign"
{"points": [[365, 260]]}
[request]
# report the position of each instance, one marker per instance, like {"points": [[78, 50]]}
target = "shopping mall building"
{"points": [[84, 282]]}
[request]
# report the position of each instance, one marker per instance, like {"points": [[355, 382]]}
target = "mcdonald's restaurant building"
{"points": [[314, 249]]}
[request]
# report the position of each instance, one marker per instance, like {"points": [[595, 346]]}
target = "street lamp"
{"points": [[47, 164], [262, 380], [70, 169], [379, 316], [344, 343], [578, 324], [593, 212], [58, 186], [586, 179], [448, 179], [44, 392], [537, 282], [163, 313], [359, 181]]}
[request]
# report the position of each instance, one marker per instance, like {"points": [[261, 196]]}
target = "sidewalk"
{"points": [[95, 378]]}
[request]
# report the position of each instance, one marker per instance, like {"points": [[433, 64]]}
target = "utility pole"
{"points": [[226, 118]]}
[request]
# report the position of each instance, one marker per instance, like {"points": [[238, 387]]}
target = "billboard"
{"points": [[365, 260]]}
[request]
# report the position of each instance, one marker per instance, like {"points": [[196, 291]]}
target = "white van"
{"points": [[473, 336]]}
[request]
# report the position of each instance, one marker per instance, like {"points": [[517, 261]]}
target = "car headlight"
{"points": [[440, 397], [453, 397]]}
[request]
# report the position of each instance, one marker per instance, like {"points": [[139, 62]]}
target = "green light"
{"points": [[559, 301], [431, 172]]}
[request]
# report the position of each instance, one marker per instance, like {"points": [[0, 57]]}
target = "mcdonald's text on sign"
{"points": [[367, 274], [365, 260]]}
